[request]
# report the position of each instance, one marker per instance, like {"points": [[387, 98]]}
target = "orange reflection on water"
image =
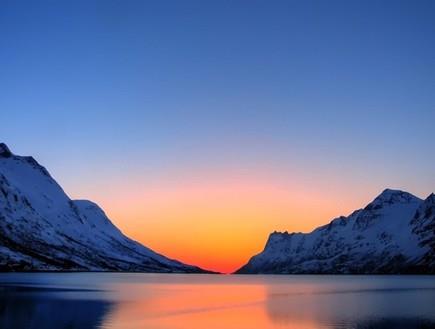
{"points": [[213, 306], [165, 301]]}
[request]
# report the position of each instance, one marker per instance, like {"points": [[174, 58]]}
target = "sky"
{"points": [[202, 126]]}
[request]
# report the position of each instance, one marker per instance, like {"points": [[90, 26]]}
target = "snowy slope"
{"points": [[41, 228], [423, 225], [393, 234]]}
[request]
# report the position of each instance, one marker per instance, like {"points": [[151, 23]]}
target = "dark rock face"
{"points": [[392, 234], [41, 228], [4, 151]]}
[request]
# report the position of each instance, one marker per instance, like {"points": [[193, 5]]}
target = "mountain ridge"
{"points": [[394, 233], [42, 229]]}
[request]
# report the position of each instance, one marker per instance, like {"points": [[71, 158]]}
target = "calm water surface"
{"points": [[170, 301]]}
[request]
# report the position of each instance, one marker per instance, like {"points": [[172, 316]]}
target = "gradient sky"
{"points": [[202, 126]]}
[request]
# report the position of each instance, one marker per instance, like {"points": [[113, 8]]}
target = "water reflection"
{"points": [[375, 302], [397, 323], [135, 301], [24, 307]]}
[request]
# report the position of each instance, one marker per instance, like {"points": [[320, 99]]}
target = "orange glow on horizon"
{"points": [[218, 220]]}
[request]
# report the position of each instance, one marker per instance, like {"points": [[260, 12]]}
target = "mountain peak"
{"points": [[4, 151], [391, 196], [41, 228], [393, 234], [390, 191], [430, 199]]}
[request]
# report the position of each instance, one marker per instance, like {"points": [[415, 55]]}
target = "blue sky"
{"points": [[94, 89]]}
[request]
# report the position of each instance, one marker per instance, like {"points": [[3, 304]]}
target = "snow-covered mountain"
{"points": [[41, 228], [395, 233]]}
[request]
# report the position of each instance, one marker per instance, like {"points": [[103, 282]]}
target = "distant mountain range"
{"points": [[42, 229], [395, 233]]}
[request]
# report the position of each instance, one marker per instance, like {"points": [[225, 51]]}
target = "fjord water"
{"points": [[175, 301]]}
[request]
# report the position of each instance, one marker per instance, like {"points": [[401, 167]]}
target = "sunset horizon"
{"points": [[215, 253], [209, 164], [219, 220]]}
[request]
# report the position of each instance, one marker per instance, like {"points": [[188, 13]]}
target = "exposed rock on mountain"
{"points": [[393, 234], [41, 228]]}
